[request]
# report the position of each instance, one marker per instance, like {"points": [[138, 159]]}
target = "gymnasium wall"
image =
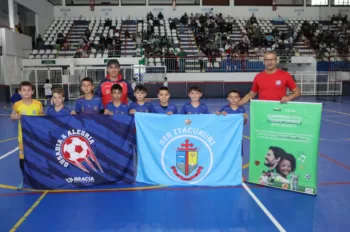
{"points": [[43, 9], [236, 11], [4, 13], [13, 45]]}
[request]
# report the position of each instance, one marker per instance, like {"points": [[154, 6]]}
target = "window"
{"points": [[133, 2], [55, 2], [170, 2], [289, 2], [87, 2], [341, 2], [317, 2]]}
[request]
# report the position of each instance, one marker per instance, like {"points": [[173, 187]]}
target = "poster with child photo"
{"points": [[284, 145]]}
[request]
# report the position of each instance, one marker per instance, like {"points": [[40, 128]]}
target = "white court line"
{"points": [[263, 208], [8, 153]]}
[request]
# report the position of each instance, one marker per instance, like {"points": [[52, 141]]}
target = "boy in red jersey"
{"points": [[272, 83], [114, 77]]}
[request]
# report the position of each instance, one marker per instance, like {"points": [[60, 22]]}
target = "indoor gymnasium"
{"points": [[174, 115]]}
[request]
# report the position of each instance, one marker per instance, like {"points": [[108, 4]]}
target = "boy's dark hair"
{"points": [[194, 88], [25, 83], [113, 61], [47, 81], [58, 91], [234, 91], [163, 88], [116, 87], [292, 160], [87, 79], [140, 88], [165, 78]]}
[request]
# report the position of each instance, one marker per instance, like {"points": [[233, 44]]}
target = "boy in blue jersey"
{"points": [[116, 106], [233, 98], [194, 106], [141, 104], [163, 106], [88, 104], [58, 108]]}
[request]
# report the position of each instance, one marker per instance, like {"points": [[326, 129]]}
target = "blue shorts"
{"points": [[48, 96]]}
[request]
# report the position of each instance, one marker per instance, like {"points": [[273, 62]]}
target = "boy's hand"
{"points": [[133, 111], [217, 113], [224, 113], [15, 116], [107, 112], [73, 113], [245, 116], [169, 113]]}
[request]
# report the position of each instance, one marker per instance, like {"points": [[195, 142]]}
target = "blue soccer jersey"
{"points": [[189, 109], [147, 107], [52, 112], [159, 109], [121, 109], [93, 106], [229, 110]]}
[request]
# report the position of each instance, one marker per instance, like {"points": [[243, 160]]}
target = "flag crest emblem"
{"points": [[187, 161]]}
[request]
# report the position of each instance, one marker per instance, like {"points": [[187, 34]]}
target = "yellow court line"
{"points": [[336, 122], [29, 211], [245, 166], [83, 190], [247, 137], [4, 186], [104, 190], [6, 140], [338, 112]]}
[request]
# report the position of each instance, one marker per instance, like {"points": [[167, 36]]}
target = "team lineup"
{"points": [[111, 97]]}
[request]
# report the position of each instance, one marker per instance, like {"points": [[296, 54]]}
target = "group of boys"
{"points": [[91, 103]]}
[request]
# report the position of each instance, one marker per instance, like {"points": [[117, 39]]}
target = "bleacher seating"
{"points": [[182, 37]]}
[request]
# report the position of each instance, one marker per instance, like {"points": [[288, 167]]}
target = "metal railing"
{"points": [[310, 83], [209, 64], [85, 54]]}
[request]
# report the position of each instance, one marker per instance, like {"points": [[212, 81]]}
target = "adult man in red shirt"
{"points": [[114, 77], [272, 83]]}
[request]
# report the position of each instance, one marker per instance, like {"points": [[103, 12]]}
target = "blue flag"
{"points": [[189, 149], [68, 152]]}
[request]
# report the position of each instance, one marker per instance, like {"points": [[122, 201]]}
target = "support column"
{"points": [[37, 28], [11, 4], [64, 3]]}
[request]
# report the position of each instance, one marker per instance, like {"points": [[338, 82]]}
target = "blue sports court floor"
{"points": [[155, 208]]}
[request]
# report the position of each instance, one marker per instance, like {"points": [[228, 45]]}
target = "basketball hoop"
{"points": [[174, 4]]}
